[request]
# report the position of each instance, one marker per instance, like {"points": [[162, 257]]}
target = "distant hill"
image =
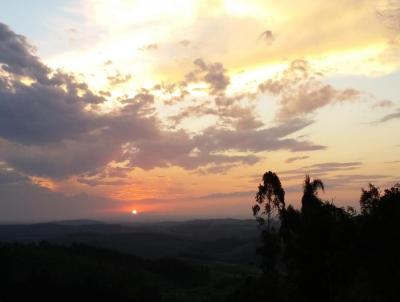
{"points": [[230, 240]]}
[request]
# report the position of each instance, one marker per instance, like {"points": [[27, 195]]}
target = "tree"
{"points": [[369, 199], [270, 199], [310, 201], [272, 195]]}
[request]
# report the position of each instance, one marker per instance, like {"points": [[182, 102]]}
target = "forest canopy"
{"points": [[322, 252]]}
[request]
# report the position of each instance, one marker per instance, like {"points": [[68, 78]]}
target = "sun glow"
{"points": [[134, 212]]}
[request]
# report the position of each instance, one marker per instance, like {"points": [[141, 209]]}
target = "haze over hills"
{"points": [[217, 239]]}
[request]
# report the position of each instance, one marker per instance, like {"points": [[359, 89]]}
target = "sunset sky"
{"points": [[176, 108]]}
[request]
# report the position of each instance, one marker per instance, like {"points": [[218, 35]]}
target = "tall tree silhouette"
{"points": [[271, 197], [270, 200], [310, 201]]}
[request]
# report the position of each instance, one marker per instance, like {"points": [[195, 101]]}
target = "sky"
{"points": [[177, 108]]}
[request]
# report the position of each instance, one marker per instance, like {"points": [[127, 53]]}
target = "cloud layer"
{"points": [[52, 125]]}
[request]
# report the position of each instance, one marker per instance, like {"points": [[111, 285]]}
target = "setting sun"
{"points": [[134, 212]]}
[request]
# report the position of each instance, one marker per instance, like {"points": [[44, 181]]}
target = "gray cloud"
{"points": [[389, 117], [319, 169], [25, 201], [8, 176], [295, 158], [16, 56], [246, 194], [52, 128], [300, 92], [351, 180], [211, 73], [268, 36], [118, 78]]}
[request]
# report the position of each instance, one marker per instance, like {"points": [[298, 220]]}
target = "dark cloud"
{"points": [[211, 73], [46, 127], [300, 91], [211, 146], [16, 56], [43, 113], [9, 176], [52, 127]]}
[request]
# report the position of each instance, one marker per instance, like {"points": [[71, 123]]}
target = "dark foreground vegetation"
{"points": [[325, 253], [319, 252], [47, 272]]}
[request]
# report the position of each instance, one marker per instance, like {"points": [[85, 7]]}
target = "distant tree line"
{"points": [[326, 253]]}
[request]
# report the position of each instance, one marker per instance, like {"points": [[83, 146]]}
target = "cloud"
{"points": [[211, 73], [383, 104], [149, 47], [16, 56], [354, 180], [319, 169], [295, 158], [118, 78], [26, 201], [213, 147], [228, 195], [53, 125], [389, 13], [267, 36], [389, 117], [9, 176], [300, 92]]}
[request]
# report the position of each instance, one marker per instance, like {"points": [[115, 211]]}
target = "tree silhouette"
{"points": [[310, 201], [369, 199], [270, 195], [326, 253]]}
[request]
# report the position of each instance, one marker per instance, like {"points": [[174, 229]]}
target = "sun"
{"points": [[134, 212]]}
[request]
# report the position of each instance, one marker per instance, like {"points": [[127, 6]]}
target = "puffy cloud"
{"points": [[118, 78], [16, 56], [51, 127], [211, 73], [300, 91]]}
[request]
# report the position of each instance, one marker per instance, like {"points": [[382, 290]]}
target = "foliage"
{"points": [[326, 253]]}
